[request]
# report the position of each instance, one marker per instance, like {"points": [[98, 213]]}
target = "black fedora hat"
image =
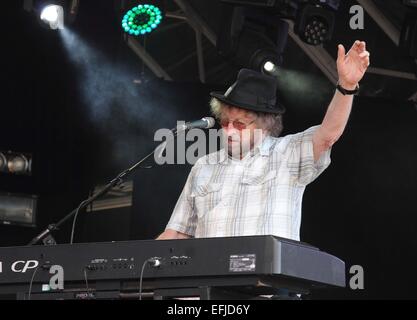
{"points": [[253, 91]]}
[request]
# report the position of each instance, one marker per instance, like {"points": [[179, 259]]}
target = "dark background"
{"points": [[74, 105]]}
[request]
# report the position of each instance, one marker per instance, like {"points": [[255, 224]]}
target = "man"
{"points": [[258, 190]]}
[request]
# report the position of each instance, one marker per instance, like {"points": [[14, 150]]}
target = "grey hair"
{"points": [[272, 123]]}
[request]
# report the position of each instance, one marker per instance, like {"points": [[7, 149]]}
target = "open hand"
{"points": [[352, 66]]}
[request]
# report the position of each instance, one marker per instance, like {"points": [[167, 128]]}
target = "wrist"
{"points": [[348, 86], [347, 90]]}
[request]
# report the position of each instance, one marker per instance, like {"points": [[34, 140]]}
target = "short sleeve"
{"points": [[183, 218], [299, 154]]}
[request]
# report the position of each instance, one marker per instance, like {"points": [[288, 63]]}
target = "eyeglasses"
{"points": [[238, 125]]}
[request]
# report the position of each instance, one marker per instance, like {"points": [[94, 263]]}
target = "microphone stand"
{"points": [[120, 179]]}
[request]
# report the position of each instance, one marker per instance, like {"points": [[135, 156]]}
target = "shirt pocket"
{"points": [[259, 179], [206, 197]]}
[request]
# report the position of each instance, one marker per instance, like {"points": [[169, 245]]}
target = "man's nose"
{"points": [[230, 129]]}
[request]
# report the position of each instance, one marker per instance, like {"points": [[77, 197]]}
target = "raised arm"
{"points": [[351, 68]]}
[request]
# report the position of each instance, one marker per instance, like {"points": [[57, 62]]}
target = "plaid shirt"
{"points": [[258, 195]]}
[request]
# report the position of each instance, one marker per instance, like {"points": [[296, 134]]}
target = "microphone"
{"points": [[205, 123]]}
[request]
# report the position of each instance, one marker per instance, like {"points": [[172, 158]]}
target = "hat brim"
{"points": [[279, 108]]}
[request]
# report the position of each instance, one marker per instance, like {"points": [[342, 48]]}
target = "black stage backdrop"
{"points": [[362, 209]]}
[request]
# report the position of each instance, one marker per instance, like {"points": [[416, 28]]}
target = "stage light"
{"points": [[266, 60], [316, 31], [252, 39], [50, 13], [18, 164], [141, 20], [53, 15], [271, 68], [19, 210], [15, 163], [315, 24], [257, 52]]}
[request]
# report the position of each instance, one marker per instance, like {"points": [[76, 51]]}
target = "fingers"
{"points": [[367, 62], [360, 46], [365, 54], [358, 50], [341, 52]]}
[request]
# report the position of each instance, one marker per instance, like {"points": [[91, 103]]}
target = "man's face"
{"points": [[240, 130]]}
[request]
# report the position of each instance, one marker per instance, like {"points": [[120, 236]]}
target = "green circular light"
{"points": [[142, 19]]}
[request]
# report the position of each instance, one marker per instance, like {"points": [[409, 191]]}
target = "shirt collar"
{"points": [[266, 146], [264, 149]]}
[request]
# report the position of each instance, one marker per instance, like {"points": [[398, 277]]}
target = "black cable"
{"points": [[141, 278], [75, 221], [86, 281], [155, 262], [31, 282]]}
